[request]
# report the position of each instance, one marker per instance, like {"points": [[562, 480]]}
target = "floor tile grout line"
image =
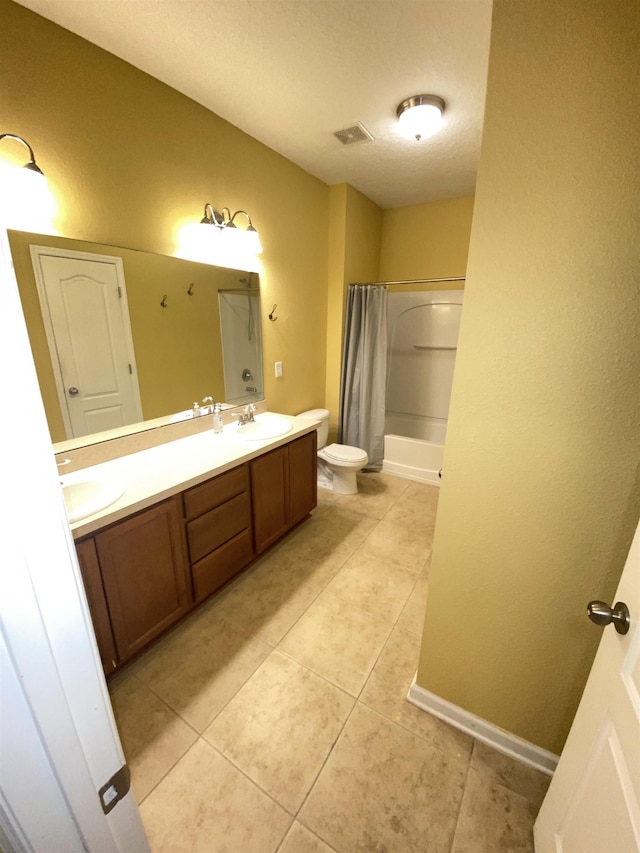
{"points": [[321, 589], [464, 792], [253, 782], [169, 769], [239, 770], [182, 754], [275, 647], [177, 713], [315, 834], [323, 765], [317, 674]]}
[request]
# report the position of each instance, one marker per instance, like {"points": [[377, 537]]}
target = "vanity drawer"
{"points": [[214, 528], [216, 491], [210, 573]]}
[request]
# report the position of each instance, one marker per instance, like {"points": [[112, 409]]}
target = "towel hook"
{"points": [[190, 291], [271, 317], [164, 301]]}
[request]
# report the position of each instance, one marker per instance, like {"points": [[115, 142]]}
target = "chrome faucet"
{"points": [[204, 408], [247, 415]]}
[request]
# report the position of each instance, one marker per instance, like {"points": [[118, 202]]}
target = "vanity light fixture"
{"points": [[26, 202], [218, 239], [236, 239], [31, 165], [420, 115]]}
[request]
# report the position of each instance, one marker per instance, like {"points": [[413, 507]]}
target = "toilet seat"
{"points": [[345, 453]]}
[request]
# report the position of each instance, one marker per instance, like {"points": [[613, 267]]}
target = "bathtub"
{"points": [[414, 447]]}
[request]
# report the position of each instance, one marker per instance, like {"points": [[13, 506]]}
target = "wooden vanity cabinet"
{"points": [[270, 497], [303, 476], [145, 575], [219, 534], [283, 489], [92, 578]]}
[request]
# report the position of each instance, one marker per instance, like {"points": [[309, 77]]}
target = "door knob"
{"points": [[73, 391], [602, 614]]}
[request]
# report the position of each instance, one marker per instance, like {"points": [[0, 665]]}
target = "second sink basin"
{"points": [[265, 426], [84, 495]]}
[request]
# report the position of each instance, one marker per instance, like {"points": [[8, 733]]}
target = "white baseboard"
{"points": [[483, 730]]}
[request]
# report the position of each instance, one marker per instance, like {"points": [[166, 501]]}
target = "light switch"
{"points": [[278, 369]]}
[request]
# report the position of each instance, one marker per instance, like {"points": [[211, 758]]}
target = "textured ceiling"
{"points": [[291, 72]]}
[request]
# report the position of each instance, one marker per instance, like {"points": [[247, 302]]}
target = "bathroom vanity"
{"points": [[195, 513]]}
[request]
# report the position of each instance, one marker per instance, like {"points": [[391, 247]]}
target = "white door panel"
{"points": [[593, 802], [83, 300], [58, 740]]}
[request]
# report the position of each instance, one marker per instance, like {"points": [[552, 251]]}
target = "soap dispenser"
{"points": [[217, 418]]}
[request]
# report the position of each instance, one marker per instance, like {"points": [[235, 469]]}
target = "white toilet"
{"points": [[338, 464]]}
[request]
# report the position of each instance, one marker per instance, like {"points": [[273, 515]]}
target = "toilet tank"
{"points": [[321, 415]]}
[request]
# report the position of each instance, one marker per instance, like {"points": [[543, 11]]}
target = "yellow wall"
{"points": [[130, 170], [427, 241], [540, 495], [131, 160], [354, 254]]}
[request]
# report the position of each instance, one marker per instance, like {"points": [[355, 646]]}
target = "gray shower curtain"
{"points": [[364, 369]]}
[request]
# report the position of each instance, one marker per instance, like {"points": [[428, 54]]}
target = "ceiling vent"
{"points": [[351, 135]]}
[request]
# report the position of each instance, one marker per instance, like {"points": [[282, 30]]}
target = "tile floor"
{"points": [[275, 719]]}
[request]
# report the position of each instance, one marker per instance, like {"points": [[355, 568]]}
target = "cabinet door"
{"points": [[144, 570], [303, 477], [90, 569], [270, 497]]}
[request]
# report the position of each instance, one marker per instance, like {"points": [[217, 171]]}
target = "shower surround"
{"points": [[423, 335]]}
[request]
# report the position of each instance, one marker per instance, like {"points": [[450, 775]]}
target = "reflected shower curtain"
{"points": [[364, 370]]}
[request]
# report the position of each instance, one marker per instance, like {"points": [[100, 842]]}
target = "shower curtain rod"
{"points": [[420, 281]]}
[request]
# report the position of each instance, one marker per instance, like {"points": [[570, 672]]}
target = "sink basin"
{"points": [[264, 426], [84, 496]]}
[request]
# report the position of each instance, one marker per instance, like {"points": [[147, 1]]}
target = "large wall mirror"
{"points": [[192, 331]]}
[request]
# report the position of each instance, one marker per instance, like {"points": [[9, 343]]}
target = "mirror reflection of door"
{"points": [[84, 307]]}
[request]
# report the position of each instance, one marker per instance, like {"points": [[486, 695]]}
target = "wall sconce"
{"points": [[236, 239], [26, 203], [218, 239], [420, 116]]}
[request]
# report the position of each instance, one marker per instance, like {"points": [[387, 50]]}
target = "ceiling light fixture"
{"points": [[26, 202], [420, 115]]}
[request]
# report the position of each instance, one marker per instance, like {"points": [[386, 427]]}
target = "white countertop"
{"points": [[152, 475]]}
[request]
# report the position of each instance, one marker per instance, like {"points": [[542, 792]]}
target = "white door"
{"points": [[58, 740], [84, 307], [593, 802]]}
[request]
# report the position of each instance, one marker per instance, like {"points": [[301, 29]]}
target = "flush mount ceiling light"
{"points": [[26, 203], [420, 115]]}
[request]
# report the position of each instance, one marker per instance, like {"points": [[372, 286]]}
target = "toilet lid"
{"points": [[345, 453]]}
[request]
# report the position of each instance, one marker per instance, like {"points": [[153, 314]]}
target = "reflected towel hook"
{"points": [[190, 291], [164, 301], [271, 317]]}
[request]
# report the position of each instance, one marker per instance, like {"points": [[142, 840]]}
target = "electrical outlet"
{"points": [[278, 369]]}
